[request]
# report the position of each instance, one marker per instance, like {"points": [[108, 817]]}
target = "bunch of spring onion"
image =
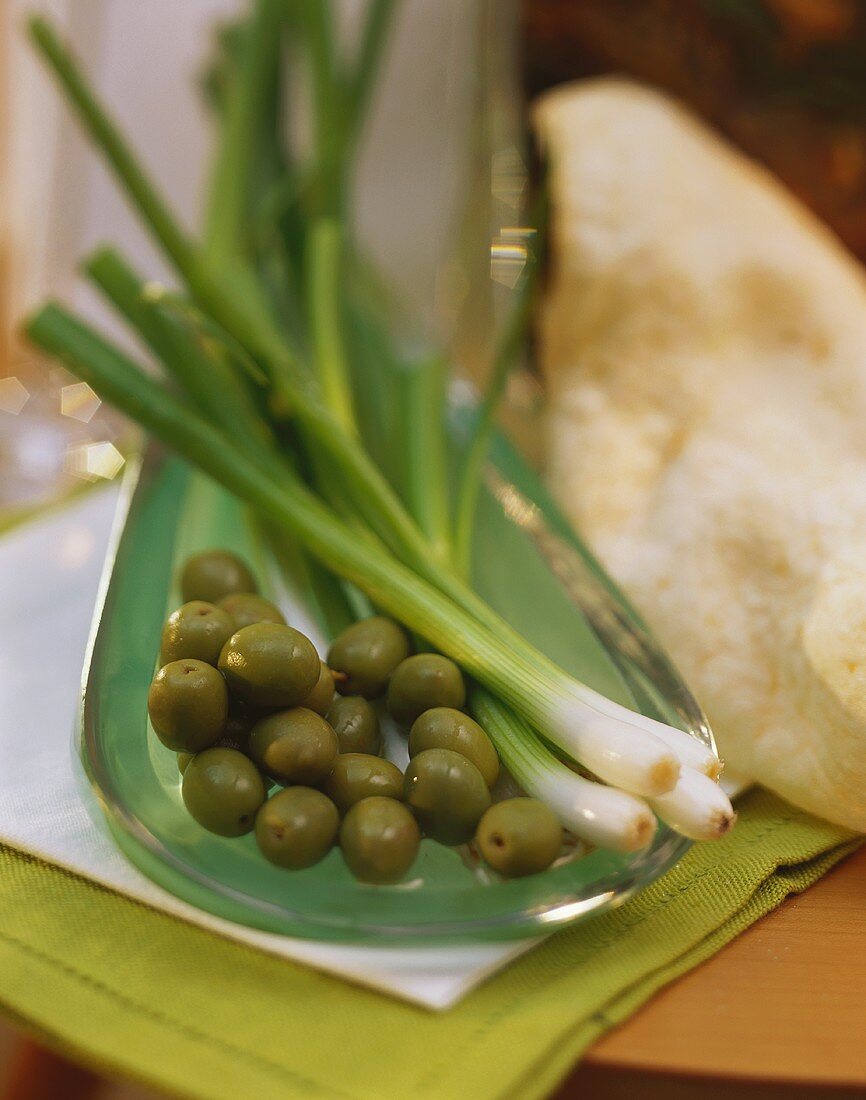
{"points": [[262, 353]]}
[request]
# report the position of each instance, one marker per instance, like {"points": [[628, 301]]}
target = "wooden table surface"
{"points": [[783, 1005]]}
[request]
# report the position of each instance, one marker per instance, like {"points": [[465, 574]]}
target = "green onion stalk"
{"points": [[259, 392]]}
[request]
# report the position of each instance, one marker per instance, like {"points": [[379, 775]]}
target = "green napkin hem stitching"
{"points": [[431, 1076], [632, 998], [101, 887], [75, 1052], [195, 1034]]}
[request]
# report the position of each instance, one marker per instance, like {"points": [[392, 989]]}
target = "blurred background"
{"points": [[784, 79]]}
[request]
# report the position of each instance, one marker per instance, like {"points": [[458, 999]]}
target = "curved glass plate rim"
{"points": [[149, 853]]}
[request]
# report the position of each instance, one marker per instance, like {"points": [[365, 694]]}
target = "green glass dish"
{"points": [[574, 614]]}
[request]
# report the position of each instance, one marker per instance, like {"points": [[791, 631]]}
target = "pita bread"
{"points": [[704, 348]]}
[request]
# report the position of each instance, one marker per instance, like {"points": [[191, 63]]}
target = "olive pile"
{"points": [[246, 702]]}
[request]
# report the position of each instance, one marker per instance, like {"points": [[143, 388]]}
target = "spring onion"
{"points": [[603, 816], [619, 753], [696, 807], [272, 415]]}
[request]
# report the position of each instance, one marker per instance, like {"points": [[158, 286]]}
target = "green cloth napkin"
{"points": [[140, 993]]}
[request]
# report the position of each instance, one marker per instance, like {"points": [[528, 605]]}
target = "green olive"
{"points": [[239, 724], [322, 695], [520, 836], [294, 746], [357, 775], [297, 827], [421, 682], [183, 759], [447, 728], [222, 790], [246, 608], [367, 653], [355, 724], [447, 794], [379, 838], [270, 665], [213, 574], [198, 630], [188, 705]]}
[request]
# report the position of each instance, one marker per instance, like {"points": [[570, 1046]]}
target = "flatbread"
{"points": [[703, 343]]}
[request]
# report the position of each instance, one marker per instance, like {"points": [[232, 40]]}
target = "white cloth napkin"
{"points": [[49, 574]]}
